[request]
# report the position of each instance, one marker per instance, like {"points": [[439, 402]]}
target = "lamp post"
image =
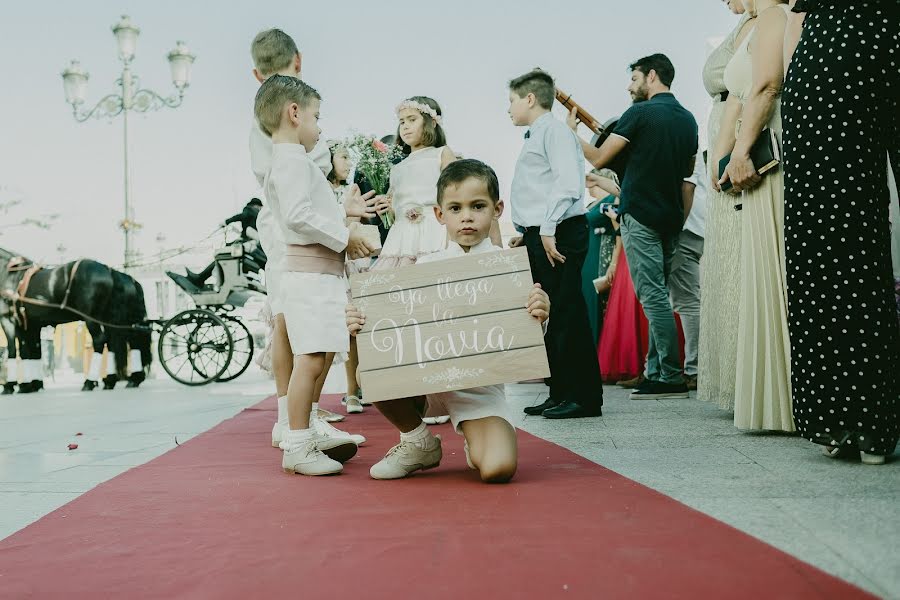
{"points": [[130, 97]]}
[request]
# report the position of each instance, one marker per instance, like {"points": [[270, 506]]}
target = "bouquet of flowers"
{"points": [[374, 159]]}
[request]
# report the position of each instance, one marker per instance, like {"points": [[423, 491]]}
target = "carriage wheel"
{"points": [[195, 347], [243, 350]]}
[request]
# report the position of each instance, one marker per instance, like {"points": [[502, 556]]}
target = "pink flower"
{"points": [[414, 214], [380, 146]]}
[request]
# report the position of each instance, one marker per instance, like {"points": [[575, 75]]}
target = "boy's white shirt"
{"points": [[261, 162], [261, 154], [454, 250], [302, 201]]}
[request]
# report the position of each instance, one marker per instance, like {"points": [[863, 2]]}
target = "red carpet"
{"points": [[217, 517]]}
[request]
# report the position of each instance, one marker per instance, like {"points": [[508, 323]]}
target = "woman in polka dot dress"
{"points": [[841, 120]]}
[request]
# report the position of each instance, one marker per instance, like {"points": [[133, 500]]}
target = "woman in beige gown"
{"points": [[755, 76], [720, 266]]}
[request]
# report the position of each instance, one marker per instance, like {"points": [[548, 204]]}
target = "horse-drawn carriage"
{"points": [[197, 346], [208, 343]]}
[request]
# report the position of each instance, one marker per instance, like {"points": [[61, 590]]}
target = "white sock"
{"points": [[110, 363], [32, 370], [136, 362], [314, 413], [282, 410], [297, 437], [420, 436], [94, 371]]}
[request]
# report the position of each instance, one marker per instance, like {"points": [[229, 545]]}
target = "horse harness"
{"points": [[19, 297]]}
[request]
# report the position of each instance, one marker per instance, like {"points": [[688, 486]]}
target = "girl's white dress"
{"points": [[415, 232]]}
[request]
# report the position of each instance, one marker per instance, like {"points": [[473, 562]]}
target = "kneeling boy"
{"points": [[468, 197]]}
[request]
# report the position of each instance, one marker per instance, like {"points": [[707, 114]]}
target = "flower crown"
{"points": [[422, 108]]}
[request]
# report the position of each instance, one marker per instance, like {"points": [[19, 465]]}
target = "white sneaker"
{"points": [[352, 405], [468, 458], [327, 430], [436, 420], [406, 458], [308, 459], [340, 449], [277, 434]]}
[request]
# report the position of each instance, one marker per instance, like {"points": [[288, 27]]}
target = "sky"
{"points": [[190, 166]]}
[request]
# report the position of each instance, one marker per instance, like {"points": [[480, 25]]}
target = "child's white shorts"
{"points": [[314, 312], [469, 404]]}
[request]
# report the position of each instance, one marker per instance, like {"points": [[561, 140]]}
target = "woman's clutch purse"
{"points": [[602, 285]]}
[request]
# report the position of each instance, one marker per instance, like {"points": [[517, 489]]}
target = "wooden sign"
{"points": [[448, 325]]}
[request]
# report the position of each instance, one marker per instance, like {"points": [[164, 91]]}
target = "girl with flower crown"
{"points": [[413, 188]]}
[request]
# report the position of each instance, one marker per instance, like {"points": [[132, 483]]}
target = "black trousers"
{"points": [[571, 352]]}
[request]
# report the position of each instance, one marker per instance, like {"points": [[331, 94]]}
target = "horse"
{"points": [[110, 302]]}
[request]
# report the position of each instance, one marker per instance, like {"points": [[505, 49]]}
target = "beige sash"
{"points": [[313, 258]]}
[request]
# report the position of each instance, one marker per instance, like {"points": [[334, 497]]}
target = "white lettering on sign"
{"points": [[388, 336], [468, 290]]}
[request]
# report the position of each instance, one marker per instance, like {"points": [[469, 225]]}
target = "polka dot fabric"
{"points": [[841, 120]]}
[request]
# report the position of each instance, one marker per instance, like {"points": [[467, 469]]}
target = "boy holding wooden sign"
{"points": [[468, 201]]}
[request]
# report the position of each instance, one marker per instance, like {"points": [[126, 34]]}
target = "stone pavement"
{"points": [[838, 515]]}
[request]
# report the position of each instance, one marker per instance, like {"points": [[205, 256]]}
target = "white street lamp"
{"points": [[126, 37], [131, 97]]}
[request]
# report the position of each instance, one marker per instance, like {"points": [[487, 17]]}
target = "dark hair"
{"points": [[536, 82], [468, 168], [332, 175], [660, 63], [254, 202], [432, 133]]}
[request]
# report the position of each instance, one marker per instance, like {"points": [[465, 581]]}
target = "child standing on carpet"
{"points": [[274, 52], [468, 201], [313, 292]]}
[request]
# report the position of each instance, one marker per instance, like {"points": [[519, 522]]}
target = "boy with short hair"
{"points": [[274, 52], [548, 209], [468, 201], [311, 226]]}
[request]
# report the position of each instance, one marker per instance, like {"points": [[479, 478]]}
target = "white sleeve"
{"points": [[293, 186]]}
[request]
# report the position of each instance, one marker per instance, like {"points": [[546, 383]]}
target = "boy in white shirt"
{"points": [[468, 200], [274, 52], [313, 293]]}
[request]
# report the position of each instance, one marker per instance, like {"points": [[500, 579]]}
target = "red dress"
{"points": [[625, 336]]}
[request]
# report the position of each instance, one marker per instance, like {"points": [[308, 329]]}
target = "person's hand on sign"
{"points": [[515, 242], [355, 319], [553, 255], [538, 304]]}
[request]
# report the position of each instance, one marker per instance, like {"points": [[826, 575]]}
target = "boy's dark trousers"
{"points": [[574, 369]]}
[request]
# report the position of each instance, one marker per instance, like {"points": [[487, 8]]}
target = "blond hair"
{"points": [[274, 94], [272, 50]]}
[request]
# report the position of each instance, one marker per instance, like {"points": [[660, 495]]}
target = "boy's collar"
{"points": [[537, 122], [482, 246]]}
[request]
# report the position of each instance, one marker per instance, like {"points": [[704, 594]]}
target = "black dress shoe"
{"points": [[540, 408], [572, 410]]}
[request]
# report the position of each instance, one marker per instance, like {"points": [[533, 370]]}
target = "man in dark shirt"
{"points": [[661, 137]]}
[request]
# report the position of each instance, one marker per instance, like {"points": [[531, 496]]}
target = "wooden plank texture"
{"points": [[448, 325]]}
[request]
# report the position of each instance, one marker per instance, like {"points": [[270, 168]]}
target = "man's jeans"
{"points": [[650, 261], [684, 287]]}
